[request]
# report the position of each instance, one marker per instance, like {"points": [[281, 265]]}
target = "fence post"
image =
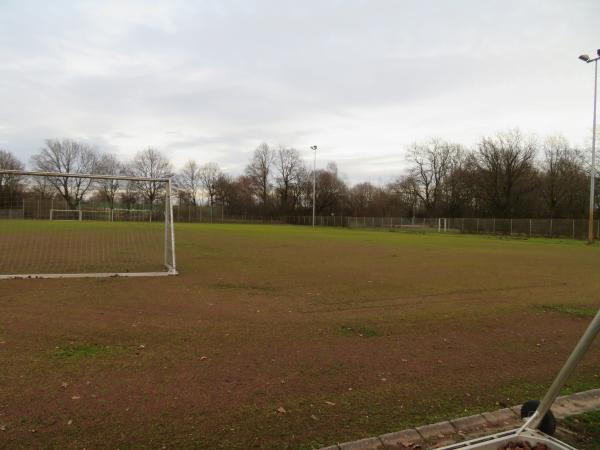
{"points": [[494, 225], [573, 230], [550, 228], [478, 225], [511, 226], [529, 227]]}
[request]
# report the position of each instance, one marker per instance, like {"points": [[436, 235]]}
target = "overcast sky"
{"points": [[210, 80]]}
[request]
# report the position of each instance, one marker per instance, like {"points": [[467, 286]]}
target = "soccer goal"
{"points": [[55, 225], [66, 214]]}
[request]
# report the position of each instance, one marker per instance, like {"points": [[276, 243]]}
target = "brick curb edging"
{"points": [[463, 428]]}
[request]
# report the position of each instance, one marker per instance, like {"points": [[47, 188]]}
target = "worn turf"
{"points": [[289, 337], [581, 431]]}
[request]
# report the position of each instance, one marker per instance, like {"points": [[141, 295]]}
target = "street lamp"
{"points": [[587, 59], [314, 147]]}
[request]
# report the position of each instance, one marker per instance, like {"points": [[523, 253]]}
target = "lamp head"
{"points": [[313, 147], [598, 52], [584, 58]]}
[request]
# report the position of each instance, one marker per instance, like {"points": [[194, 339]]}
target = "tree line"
{"points": [[508, 175]]}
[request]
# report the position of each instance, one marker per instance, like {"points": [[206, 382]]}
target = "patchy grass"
{"points": [[244, 286], [359, 331], [82, 351], [570, 310], [367, 331], [581, 431]]}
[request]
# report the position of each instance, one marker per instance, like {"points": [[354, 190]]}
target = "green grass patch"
{"points": [[586, 428], [580, 385], [519, 392], [82, 351], [359, 331], [570, 310], [251, 287]]}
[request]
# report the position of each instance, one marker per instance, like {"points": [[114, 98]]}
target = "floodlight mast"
{"points": [[587, 59], [314, 147]]}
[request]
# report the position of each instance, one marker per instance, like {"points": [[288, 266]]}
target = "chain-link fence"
{"points": [[550, 228], [41, 208]]}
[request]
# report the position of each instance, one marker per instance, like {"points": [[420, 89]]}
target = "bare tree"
{"points": [[360, 198], [405, 188], [224, 190], [209, 175], [288, 166], [259, 171], [150, 163], [129, 194], [108, 164], [563, 178], [10, 185], [432, 163], [331, 190], [505, 171], [189, 180], [67, 156]]}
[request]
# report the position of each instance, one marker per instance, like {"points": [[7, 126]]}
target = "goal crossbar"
{"points": [[126, 251], [81, 175]]}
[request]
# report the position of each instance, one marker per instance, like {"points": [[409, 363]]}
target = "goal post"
{"points": [[64, 225]]}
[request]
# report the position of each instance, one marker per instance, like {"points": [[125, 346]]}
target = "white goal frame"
{"points": [[52, 211], [169, 238]]}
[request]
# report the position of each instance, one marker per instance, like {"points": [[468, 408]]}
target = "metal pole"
{"points": [[578, 352], [166, 242], [593, 171], [314, 147], [173, 260]]}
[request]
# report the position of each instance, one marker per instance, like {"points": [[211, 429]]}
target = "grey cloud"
{"points": [[214, 79]]}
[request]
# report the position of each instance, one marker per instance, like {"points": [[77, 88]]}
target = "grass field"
{"points": [[36, 246], [289, 337]]}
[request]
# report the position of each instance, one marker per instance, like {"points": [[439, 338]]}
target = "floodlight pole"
{"points": [[314, 147], [587, 59], [593, 174]]}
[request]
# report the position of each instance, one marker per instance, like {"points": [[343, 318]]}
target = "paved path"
{"points": [[464, 428]]}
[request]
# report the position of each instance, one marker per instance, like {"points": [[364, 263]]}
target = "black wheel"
{"points": [[548, 423]]}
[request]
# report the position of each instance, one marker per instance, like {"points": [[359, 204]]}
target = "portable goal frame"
{"points": [[169, 235]]}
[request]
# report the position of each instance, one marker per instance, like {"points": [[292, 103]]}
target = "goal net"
{"points": [[78, 225]]}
